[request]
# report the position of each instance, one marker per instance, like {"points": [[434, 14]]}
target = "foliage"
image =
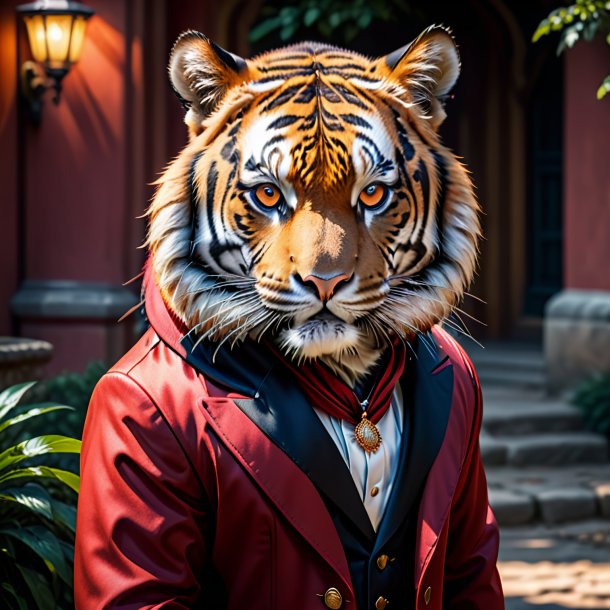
{"points": [[69, 388], [584, 19], [593, 399], [36, 524], [339, 20]]}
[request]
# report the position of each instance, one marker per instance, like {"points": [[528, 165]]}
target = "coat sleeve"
{"points": [[140, 521], [471, 577]]}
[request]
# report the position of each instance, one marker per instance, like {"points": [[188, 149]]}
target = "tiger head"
{"points": [[315, 204]]}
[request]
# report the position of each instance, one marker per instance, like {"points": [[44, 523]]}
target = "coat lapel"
{"points": [[286, 486], [274, 402], [427, 388], [282, 412]]}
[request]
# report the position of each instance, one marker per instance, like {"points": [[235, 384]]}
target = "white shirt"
{"points": [[373, 473]]}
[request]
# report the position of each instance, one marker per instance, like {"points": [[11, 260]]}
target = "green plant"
{"points": [[37, 509], [584, 19], [68, 388], [593, 399], [340, 20]]}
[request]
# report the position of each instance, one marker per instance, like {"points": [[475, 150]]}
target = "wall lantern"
{"points": [[56, 32]]}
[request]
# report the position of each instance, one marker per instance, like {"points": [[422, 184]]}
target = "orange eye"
{"points": [[267, 195], [373, 195]]}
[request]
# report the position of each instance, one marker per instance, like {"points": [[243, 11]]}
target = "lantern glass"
{"points": [[56, 33], [36, 35], [58, 30], [78, 37]]}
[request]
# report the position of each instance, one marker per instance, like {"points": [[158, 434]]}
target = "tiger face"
{"points": [[315, 204]]}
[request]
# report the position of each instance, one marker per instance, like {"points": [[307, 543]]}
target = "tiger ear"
{"points": [[427, 69], [201, 73]]}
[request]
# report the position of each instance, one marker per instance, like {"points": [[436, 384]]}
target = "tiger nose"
{"points": [[325, 287]]}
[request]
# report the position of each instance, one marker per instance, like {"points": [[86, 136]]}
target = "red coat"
{"points": [[181, 487]]}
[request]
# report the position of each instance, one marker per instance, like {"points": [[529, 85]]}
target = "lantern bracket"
{"points": [[55, 30], [33, 85]]}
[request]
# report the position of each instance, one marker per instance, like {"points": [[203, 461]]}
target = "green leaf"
{"points": [[10, 397], [264, 28], [39, 445], [364, 20], [65, 514], [45, 545], [544, 27], [31, 496], [335, 19], [311, 16], [288, 31], [33, 472], [41, 593], [21, 603], [35, 412], [604, 88]]}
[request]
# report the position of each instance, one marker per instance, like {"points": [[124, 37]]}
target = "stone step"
{"points": [[508, 355], [511, 377], [553, 449], [507, 364], [508, 418], [550, 495]]}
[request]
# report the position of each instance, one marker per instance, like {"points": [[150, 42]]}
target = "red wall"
{"points": [[80, 179], [8, 163], [587, 169], [76, 163]]}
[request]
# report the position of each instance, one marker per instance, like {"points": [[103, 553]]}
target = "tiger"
{"points": [[315, 204]]}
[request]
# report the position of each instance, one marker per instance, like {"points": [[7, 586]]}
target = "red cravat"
{"points": [[327, 392]]}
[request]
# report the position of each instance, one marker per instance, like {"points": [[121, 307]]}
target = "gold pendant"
{"points": [[367, 435]]}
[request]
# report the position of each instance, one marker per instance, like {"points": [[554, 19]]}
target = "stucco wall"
{"points": [[587, 169]]}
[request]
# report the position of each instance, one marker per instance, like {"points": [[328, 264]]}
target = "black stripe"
{"points": [[212, 181], [421, 175], [353, 119], [349, 96], [282, 97], [193, 202], [284, 121], [443, 178]]}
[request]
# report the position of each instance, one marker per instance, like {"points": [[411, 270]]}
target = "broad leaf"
{"points": [[50, 443], [34, 472], [46, 546], [35, 412], [66, 514], [21, 603], [10, 397], [39, 589], [32, 497]]}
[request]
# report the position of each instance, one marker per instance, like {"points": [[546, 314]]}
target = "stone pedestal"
{"points": [[576, 337], [22, 360], [81, 319]]}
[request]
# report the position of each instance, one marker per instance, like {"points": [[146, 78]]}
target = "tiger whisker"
{"points": [[423, 295], [410, 280]]}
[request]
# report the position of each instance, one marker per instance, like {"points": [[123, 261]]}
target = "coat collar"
{"points": [[273, 402]]}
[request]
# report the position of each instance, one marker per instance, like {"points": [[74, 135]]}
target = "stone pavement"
{"points": [[549, 486], [541, 464], [550, 567]]}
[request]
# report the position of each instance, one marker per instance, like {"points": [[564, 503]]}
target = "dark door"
{"points": [[544, 202]]}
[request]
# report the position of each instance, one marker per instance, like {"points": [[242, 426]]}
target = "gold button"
{"points": [[381, 603], [428, 595], [382, 561], [333, 599], [374, 491]]}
